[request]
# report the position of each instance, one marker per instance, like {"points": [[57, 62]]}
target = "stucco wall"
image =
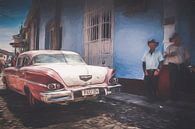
{"points": [[131, 34], [72, 22], [47, 11]]}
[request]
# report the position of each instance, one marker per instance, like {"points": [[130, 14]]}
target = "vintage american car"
{"points": [[53, 76]]}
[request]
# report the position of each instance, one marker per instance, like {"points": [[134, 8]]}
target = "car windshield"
{"points": [[58, 58]]}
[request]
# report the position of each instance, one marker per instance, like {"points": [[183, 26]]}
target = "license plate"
{"points": [[90, 92]]}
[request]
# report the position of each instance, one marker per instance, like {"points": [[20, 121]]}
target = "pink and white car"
{"points": [[53, 76]]}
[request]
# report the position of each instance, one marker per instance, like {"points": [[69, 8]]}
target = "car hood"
{"points": [[75, 75]]}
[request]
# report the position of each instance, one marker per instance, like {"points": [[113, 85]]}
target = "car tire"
{"points": [[4, 80], [32, 101]]}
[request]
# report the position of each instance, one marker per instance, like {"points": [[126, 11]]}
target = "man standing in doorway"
{"points": [[177, 58], [152, 62]]}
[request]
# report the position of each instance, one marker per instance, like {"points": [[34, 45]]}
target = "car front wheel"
{"points": [[4, 80]]}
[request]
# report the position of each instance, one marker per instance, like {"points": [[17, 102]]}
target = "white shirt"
{"points": [[180, 54], [152, 60]]}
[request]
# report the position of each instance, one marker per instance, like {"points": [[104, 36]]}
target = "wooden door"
{"points": [[98, 29]]}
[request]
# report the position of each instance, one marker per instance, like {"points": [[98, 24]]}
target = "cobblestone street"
{"points": [[102, 114], [97, 64]]}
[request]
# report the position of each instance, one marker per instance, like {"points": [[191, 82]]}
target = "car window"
{"points": [[58, 58], [49, 58], [26, 61], [19, 62], [73, 59]]}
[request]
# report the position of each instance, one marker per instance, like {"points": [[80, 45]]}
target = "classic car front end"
{"points": [[59, 77]]}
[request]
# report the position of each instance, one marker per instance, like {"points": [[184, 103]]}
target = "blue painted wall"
{"points": [[131, 34], [47, 12], [72, 22]]}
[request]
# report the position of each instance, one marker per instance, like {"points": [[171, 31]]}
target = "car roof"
{"points": [[37, 52]]}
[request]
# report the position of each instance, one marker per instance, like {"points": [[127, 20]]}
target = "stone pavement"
{"points": [[1, 83], [161, 105]]}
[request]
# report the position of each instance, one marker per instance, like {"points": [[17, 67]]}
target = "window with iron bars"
{"points": [[98, 25]]}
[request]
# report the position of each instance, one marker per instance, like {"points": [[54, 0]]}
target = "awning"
{"points": [[6, 52], [19, 45]]}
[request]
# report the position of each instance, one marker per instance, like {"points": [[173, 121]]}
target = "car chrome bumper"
{"points": [[74, 95]]}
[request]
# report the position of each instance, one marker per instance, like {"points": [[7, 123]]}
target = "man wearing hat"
{"points": [[177, 57], [152, 61]]}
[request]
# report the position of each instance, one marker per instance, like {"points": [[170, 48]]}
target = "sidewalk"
{"points": [[162, 106]]}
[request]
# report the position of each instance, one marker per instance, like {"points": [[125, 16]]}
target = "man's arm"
{"points": [[144, 68], [161, 59], [169, 53], [160, 65]]}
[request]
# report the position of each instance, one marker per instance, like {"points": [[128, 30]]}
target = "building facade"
{"points": [[110, 32]]}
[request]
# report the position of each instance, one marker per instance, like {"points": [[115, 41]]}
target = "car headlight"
{"points": [[54, 86]]}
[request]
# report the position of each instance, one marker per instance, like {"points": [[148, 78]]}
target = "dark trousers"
{"points": [[177, 73], [151, 83]]}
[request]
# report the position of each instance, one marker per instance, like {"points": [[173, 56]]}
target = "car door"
{"points": [[11, 76], [21, 81]]}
